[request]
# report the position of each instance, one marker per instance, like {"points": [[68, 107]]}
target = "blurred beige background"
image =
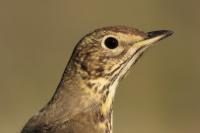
{"points": [[161, 94]]}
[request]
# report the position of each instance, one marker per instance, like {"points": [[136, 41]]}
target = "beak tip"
{"points": [[169, 32]]}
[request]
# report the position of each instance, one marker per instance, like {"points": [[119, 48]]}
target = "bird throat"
{"points": [[100, 90]]}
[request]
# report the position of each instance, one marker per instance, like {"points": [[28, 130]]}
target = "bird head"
{"points": [[103, 57]]}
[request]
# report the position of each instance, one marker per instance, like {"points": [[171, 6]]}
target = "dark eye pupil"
{"points": [[111, 42]]}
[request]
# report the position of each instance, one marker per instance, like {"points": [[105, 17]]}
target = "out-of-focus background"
{"points": [[160, 95]]}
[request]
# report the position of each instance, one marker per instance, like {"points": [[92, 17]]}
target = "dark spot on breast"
{"points": [[102, 118], [104, 98], [84, 67], [90, 85], [107, 128], [100, 69], [107, 92]]}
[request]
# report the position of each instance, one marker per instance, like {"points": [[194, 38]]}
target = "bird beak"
{"points": [[153, 37]]}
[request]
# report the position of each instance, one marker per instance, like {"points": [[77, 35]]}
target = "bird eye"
{"points": [[111, 42]]}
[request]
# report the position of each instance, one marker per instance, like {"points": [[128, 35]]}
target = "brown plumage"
{"points": [[83, 99]]}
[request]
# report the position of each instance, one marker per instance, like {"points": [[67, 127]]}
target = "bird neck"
{"points": [[98, 88], [87, 94]]}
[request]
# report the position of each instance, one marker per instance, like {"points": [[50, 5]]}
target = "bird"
{"points": [[83, 99]]}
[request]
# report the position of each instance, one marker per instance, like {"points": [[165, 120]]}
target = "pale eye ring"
{"points": [[111, 42]]}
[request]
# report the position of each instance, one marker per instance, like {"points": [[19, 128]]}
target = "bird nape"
{"points": [[82, 102]]}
